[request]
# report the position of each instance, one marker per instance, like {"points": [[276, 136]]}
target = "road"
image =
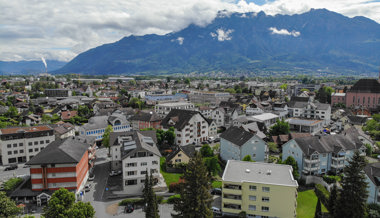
{"points": [[20, 171]]}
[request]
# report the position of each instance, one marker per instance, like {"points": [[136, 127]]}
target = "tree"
{"points": [[12, 112], [353, 196], [292, 162], [212, 165], [273, 147], [187, 81], [368, 150], [242, 214], [132, 82], [206, 151], [195, 198], [284, 86], [318, 210], [62, 204], [106, 138], [170, 136], [332, 200], [8, 208], [81, 210], [281, 127], [151, 210], [84, 111], [247, 158]]}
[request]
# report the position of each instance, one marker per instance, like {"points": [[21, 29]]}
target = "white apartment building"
{"points": [[20, 144], [135, 153], [311, 110], [163, 109], [190, 126]]}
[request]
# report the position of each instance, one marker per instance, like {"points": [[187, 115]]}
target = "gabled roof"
{"points": [[237, 135], [181, 118], [373, 172], [141, 141], [147, 117], [68, 150], [189, 151]]}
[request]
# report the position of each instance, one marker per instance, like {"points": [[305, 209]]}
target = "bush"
{"points": [[12, 183], [173, 198], [322, 193], [159, 199], [174, 187], [331, 179], [136, 201]]}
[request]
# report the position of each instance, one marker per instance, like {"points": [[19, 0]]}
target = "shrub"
{"points": [[173, 198], [174, 187], [136, 201], [322, 194], [159, 199], [331, 179], [12, 183]]}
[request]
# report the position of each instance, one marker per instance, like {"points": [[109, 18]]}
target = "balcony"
{"points": [[338, 158], [307, 169], [337, 165], [232, 197], [311, 161]]}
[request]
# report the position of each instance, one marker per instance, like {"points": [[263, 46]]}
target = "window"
{"points": [[178, 160], [36, 149], [15, 152], [41, 142], [154, 162], [265, 209], [36, 143], [265, 199], [266, 189], [131, 182], [9, 145], [353, 100], [144, 163], [131, 164], [30, 143], [53, 174], [252, 187], [47, 141], [143, 172], [131, 173], [179, 155], [9, 152], [20, 144], [30, 150], [252, 198], [21, 151], [142, 181], [14, 145], [252, 207], [52, 165]]}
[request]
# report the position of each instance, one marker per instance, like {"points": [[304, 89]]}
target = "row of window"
{"points": [[143, 172], [263, 208], [254, 188], [30, 143], [263, 199], [22, 151], [369, 100]]}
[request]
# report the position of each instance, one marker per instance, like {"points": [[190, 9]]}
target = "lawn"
{"points": [[169, 177], [306, 203]]}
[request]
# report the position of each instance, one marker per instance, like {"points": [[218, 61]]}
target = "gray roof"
{"points": [[326, 144], [139, 142], [181, 117], [237, 135], [373, 172], [68, 150], [256, 172], [301, 104], [189, 150]]}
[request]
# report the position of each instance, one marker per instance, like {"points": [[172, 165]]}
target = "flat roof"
{"points": [[265, 116], [174, 104], [13, 130], [256, 172], [304, 122]]}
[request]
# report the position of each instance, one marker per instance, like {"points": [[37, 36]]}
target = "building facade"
{"points": [[20, 144], [163, 109], [259, 189], [58, 93], [364, 94]]}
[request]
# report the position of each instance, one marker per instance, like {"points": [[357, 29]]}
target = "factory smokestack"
{"points": [[44, 61]]}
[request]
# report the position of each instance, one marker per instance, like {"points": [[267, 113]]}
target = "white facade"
{"points": [[218, 115], [164, 108], [22, 150], [135, 168], [312, 111]]}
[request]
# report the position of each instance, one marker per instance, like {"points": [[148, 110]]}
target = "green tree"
{"points": [[81, 210], [284, 86], [59, 204], [281, 127], [146, 188], [84, 111], [242, 214], [206, 151], [8, 208], [332, 200], [151, 210], [247, 158], [273, 147], [292, 162], [132, 82], [368, 150], [12, 112], [212, 165], [106, 138], [170, 136], [353, 196], [195, 198], [187, 81], [318, 210]]}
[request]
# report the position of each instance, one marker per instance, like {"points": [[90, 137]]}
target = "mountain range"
{"points": [[318, 41], [22, 67]]}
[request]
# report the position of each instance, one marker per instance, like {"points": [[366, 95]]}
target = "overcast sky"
{"points": [[59, 30]]}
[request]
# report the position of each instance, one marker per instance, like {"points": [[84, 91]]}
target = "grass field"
{"points": [[169, 177], [306, 203]]}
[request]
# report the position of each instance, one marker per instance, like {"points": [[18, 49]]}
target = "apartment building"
{"points": [[163, 109], [64, 163], [212, 98], [135, 153], [190, 126], [58, 93], [310, 110], [20, 144], [144, 120], [259, 189], [317, 155]]}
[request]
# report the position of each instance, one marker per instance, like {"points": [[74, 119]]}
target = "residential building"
{"points": [[305, 125], [121, 78], [98, 124], [64, 163], [163, 98], [282, 139], [224, 116], [58, 92], [212, 128], [205, 111], [143, 120], [365, 93], [181, 154], [372, 172], [20, 144], [236, 143], [268, 119], [212, 98], [338, 98], [67, 115], [310, 110], [136, 154], [163, 109], [190, 126], [63, 130], [259, 189], [319, 154]]}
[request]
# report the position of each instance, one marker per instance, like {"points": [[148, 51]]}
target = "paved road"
{"points": [[20, 171]]}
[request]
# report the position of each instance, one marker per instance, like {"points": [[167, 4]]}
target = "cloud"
{"points": [[294, 33], [179, 40], [222, 35], [62, 29]]}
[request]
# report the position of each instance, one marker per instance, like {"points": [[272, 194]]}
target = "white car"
{"points": [[115, 173], [87, 188]]}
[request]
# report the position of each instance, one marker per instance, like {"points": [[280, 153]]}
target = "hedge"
{"points": [[173, 198], [322, 194], [331, 179], [12, 183], [137, 201]]}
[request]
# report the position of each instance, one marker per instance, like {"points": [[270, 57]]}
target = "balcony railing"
{"points": [[233, 187], [338, 158], [311, 160], [337, 165], [233, 197]]}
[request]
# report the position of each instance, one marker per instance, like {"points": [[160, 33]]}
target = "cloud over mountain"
{"points": [[294, 33]]}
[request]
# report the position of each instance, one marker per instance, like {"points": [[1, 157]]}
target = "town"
{"points": [[261, 148]]}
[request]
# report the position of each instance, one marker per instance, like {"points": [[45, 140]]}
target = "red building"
{"points": [[144, 120], [64, 163]]}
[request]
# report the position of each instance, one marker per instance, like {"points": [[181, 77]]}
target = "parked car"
{"points": [[87, 187], [91, 177], [217, 140], [129, 208], [216, 191], [11, 167], [115, 173], [205, 142], [216, 211]]}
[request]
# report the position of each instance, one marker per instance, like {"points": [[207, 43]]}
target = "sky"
{"points": [[60, 30]]}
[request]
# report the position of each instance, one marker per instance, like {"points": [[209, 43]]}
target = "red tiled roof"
{"points": [[66, 115]]}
